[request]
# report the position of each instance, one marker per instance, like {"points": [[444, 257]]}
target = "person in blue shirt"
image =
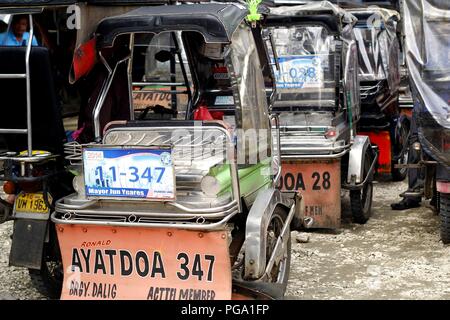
{"points": [[17, 34]]}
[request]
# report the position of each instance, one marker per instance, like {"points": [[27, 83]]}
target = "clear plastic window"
{"points": [[159, 84], [307, 66]]}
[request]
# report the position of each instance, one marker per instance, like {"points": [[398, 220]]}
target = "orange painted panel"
{"points": [[383, 140], [123, 263], [319, 181]]}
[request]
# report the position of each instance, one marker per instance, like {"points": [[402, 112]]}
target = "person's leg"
{"points": [[415, 175]]}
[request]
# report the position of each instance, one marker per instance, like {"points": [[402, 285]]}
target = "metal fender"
{"points": [[256, 226], [356, 159]]}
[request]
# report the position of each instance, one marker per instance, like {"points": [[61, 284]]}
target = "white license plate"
{"points": [[139, 173], [300, 72]]}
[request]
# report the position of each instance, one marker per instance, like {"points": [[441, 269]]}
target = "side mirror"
{"points": [[163, 56]]}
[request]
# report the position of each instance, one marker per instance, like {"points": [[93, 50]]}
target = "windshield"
{"points": [[308, 72], [161, 79]]}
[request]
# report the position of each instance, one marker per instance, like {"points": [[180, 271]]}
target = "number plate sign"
{"points": [[320, 184], [118, 173], [135, 263], [299, 72], [31, 203]]}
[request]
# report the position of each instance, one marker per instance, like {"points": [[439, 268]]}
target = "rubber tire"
{"points": [[397, 174], [282, 285], [44, 282], [444, 214], [360, 215]]}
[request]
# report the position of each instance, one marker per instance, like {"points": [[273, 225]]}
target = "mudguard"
{"points": [[357, 156], [257, 223], [28, 243]]}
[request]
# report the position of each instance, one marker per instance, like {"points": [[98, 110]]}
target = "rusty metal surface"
{"points": [[319, 181]]}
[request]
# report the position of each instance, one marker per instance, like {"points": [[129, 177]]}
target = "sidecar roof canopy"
{"points": [[362, 14], [49, 3], [427, 31], [215, 21], [315, 8], [343, 4]]}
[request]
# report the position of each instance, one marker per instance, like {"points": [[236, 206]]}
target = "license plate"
{"points": [[31, 203], [119, 173], [320, 184], [300, 72], [132, 263]]}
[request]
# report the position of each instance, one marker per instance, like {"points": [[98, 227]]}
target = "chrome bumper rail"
{"points": [[27, 159], [189, 213], [219, 225], [314, 156]]}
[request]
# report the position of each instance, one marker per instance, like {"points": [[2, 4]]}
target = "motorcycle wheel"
{"points": [[444, 214], [361, 200]]}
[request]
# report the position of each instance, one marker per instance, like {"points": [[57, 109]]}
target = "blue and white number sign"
{"points": [[146, 174]]}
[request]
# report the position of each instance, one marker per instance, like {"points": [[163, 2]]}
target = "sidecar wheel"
{"points": [[444, 213], [361, 200], [280, 272]]}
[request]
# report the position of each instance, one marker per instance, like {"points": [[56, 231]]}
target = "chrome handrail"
{"points": [[173, 225]]}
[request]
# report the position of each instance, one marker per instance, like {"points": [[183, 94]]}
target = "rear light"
{"points": [[9, 187], [331, 133]]}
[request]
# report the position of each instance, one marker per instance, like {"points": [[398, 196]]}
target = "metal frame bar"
{"points": [[361, 185], [315, 156], [183, 225], [104, 92], [26, 76], [220, 212], [130, 77], [28, 81]]}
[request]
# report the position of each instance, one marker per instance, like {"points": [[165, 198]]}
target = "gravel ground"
{"points": [[396, 255]]}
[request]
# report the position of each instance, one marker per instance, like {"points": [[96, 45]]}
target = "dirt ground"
{"points": [[396, 255]]}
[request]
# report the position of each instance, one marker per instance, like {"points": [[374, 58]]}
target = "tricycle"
{"points": [[315, 62], [382, 118], [178, 200]]}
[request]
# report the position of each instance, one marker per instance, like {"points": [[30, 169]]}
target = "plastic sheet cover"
{"points": [[250, 90], [310, 59], [427, 31], [378, 45]]}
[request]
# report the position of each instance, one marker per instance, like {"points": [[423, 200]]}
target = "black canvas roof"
{"points": [[215, 21], [29, 3]]}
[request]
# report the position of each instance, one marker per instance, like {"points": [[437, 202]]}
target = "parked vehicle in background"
{"points": [[315, 62], [33, 174], [379, 74], [426, 26]]}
